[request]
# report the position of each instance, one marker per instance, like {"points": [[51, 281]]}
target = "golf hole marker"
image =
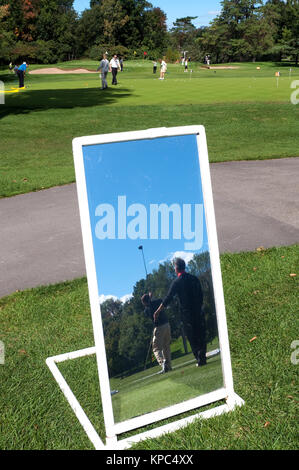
{"points": [[153, 188]]}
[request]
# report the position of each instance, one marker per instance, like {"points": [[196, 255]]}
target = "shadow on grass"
{"points": [[27, 101]]}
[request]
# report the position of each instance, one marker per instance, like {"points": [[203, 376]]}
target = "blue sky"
{"points": [[205, 10], [146, 174]]}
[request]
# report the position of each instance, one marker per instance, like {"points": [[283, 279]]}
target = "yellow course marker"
{"points": [[13, 90]]}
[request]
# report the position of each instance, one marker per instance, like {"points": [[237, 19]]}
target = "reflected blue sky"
{"points": [[148, 173]]}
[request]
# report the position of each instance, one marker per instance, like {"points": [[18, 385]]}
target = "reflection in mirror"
{"points": [[154, 273]]}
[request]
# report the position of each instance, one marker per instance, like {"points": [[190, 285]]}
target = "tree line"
{"points": [[128, 330], [244, 30], [48, 31]]}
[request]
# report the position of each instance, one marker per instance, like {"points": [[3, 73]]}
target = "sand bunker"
{"points": [[56, 71]]}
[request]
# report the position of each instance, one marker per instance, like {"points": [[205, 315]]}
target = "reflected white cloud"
{"points": [[123, 299], [103, 298], [187, 256]]}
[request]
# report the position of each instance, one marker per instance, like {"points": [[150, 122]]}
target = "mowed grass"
{"points": [[148, 391], [261, 295], [246, 115]]}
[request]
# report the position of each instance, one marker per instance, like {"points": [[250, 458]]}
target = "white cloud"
{"points": [[214, 12], [123, 299], [187, 256], [103, 298]]}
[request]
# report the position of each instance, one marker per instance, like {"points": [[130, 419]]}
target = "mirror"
{"points": [[147, 209]]}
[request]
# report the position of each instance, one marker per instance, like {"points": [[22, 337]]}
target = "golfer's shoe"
{"points": [[165, 368], [201, 363]]}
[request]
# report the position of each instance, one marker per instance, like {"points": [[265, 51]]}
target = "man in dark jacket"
{"points": [[188, 289], [161, 334]]}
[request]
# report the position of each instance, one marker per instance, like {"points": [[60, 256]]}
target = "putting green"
{"points": [[245, 114]]}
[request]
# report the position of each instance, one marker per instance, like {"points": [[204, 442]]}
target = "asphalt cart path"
{"points": [[256, 204]]}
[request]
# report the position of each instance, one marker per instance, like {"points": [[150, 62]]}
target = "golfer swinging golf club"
{"points": [[188, 289], [161, 334]]}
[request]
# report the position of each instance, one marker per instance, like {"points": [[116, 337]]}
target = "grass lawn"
{"points": [[261, 301], [246, 115], [149, 391]]}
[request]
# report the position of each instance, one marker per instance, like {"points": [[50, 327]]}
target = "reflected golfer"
{"points": [[161, 335], [188, 289]]}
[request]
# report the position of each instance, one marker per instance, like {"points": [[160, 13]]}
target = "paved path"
{"points": [[256, 204]]}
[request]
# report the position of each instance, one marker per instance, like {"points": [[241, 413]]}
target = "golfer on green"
{"points": [[161, 334], [104, 68]]}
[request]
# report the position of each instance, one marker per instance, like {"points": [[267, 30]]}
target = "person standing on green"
{"points": [[104, 68], [21, 74], [114, 68]]}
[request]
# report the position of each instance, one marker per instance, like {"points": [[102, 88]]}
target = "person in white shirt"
{"points": [[114, 68], [163, 69]]}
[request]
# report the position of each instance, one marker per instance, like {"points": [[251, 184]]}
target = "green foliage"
{"points": [[183, 31], [96, 52], [244, 30], [134, 25], [8, 43], [36, 25], [172, 55], [23, 51]]}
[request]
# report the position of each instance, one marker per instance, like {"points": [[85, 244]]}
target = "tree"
{"points": [[133, 34], [90, 28], [244, 29], [291, 28], [111, 311], [4, 11], [7, 38], [200, 266], [182, 31], [283, 17], [154, 29], [135, 333], [30, 14], [94, 3], [215, 42], [258, 37], [57, 22]]}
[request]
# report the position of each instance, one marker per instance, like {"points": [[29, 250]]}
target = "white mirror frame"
{"points": [[113, 430]]}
